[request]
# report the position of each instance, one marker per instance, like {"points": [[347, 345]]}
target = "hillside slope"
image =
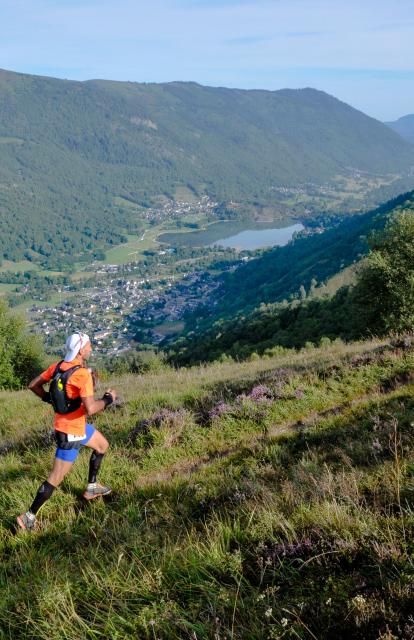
{"points": [[269, 499], [69, 151], [404, 127]]}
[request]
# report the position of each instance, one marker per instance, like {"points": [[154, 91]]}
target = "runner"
{"points": [[71, 395]]}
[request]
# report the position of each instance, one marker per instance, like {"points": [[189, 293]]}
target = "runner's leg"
{"points": [[60, 469], [99, 445]]}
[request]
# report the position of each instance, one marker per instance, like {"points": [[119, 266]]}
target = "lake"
{"points": [[242, 234]]}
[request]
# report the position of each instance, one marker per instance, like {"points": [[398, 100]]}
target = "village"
{"points": [[111, 311], [124, 302]]}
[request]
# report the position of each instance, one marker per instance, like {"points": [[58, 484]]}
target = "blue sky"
{"points": [[360, 51]]}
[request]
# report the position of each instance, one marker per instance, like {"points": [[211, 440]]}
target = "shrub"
{"points": [[21, 355], [384, 294], [135, 362]]}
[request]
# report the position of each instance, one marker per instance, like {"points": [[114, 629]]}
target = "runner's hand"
{"points": [[113, 393]]}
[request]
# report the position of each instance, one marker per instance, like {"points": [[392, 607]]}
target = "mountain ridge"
{"points": [[404, 126], [68, 149]]}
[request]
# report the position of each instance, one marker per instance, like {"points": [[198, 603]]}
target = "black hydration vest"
{"points": [[57, 389]]}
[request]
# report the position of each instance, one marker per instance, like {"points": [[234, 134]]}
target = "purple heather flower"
{"points": [[219, 410], [261, 391], [166, 417]]}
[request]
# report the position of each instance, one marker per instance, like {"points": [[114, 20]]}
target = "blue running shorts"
{"points": [[68, 446]]}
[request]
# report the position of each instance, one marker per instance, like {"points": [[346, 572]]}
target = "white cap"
{"points": [[74, 344]]}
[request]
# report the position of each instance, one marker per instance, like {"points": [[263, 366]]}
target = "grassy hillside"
{"points": [[72, 152], [268, 499]]}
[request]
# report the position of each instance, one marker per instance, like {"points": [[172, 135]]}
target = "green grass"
{"points": [[170, 328], [184, 194], [343, 278], [6, 288], [132, 250], [124, 202], [126, 252], [22, 265], [289, 517], [53, 299]]}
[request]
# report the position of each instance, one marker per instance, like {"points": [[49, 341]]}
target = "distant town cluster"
{"points": [[111, 313]]}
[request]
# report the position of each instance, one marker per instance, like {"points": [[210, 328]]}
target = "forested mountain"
{"points": [[258, 314], [69, 149], [404, 127]]}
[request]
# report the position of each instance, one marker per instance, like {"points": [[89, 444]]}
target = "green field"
{"points": [[124, 202], [6, 288], [184, 194], [54, 299], [169, 328], [22, 265], [131, 251]]}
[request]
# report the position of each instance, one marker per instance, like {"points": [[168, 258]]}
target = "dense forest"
{"points": [[80, 161]]}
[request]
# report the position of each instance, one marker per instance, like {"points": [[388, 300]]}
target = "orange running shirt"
{"points": [[80, 383]]}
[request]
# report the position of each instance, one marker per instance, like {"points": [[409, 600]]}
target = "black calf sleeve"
{"points": [[94, 464], [44, 493]]}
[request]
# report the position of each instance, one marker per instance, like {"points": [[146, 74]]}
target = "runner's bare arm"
{"points": [[93, 406], [36, 385]]}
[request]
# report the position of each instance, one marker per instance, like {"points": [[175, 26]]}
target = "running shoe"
{"points": [[95, 490], [27, 521]]}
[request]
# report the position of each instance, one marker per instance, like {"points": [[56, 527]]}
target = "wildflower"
{"points": [[268, 612], [261, 596], [328, 602], [299, 394], [260, 393], [284, 622], [220, 409], [167, 417]]}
